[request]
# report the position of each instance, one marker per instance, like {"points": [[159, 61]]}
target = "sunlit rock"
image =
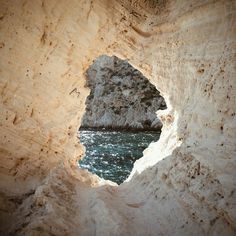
{"points": [[184, 184]]}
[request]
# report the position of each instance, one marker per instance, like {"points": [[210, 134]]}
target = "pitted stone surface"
{"points": [[184, 184]]}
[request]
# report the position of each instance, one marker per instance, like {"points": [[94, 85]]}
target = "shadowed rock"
{"points": [[121, 97]]}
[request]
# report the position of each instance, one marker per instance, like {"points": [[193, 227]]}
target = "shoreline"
{"points": [[117, 129]]}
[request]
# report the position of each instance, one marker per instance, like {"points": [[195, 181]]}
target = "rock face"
{"points": [[121, 97], [184, 184]]}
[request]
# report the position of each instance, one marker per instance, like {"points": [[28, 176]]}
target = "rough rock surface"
{"points": [[184, 184], [120, 97]]}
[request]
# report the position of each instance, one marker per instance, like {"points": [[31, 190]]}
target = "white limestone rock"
{"points": [[120, 97], [184, 184]]}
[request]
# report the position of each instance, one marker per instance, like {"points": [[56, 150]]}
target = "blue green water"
{"points": [[111, 154]]}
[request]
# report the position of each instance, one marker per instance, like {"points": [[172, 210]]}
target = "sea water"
{"points": [[111, 154]]}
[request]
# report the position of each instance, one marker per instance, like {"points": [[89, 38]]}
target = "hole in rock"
{"points": [[120, 119]]}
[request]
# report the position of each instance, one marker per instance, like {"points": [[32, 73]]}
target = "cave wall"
{"points": [[184, 184]]}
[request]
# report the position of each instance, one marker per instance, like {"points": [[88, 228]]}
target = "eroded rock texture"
{"points": [[120, 97], [184, 184]]}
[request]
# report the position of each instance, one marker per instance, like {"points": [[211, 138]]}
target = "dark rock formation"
{"points": [[121, 97]]}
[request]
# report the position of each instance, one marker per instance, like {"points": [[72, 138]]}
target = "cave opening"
{"points": [[120, 118]]}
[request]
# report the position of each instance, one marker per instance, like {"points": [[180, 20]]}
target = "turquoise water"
{"points": [[111, 154]]}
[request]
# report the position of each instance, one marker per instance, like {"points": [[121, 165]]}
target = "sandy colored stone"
{"points": [[184, 184]]}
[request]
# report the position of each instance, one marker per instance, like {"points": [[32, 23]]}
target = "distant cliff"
{"points": [[121, 97]]}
